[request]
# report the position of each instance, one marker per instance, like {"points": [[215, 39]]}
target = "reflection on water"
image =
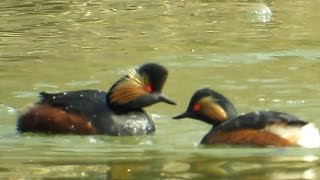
{"points": [[195, 166], [259, 59]]}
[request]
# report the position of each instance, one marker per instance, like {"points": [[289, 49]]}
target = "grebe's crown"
{"points": [[209, 106], [141, 87]]}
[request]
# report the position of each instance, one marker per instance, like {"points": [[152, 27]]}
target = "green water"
{"points": [[258, 61]]}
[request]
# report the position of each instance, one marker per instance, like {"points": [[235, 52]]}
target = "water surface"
{"points": [[259, 61]]}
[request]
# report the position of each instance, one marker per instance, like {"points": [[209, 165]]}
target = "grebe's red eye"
{"points": [[147, 88], [196, 107]]}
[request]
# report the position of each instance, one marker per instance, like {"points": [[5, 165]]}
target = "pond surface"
{"points": [[257, 59]]}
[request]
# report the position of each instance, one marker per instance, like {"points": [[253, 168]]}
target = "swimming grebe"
{"points": [[117, 112], [260, 128]]}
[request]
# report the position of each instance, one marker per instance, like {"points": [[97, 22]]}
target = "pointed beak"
{"points": [[165, 99], [181, 116]]}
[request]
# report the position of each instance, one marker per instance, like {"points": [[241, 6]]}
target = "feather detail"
{"points": [[210, 108], [246, 136], [305, 136], [129, 88], [47, 119]]}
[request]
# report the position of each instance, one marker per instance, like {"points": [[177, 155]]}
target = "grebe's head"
{"points": [[209, 106], [140, 88]]}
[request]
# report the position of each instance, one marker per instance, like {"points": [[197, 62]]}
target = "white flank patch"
{"points": [[310, 136], [306, 136]]}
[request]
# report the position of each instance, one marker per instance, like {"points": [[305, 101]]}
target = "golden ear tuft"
{"points": [[210, 108], [129, 88]]}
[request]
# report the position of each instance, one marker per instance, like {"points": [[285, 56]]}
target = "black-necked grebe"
{"points": [[260, 128], [117, 112]]}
